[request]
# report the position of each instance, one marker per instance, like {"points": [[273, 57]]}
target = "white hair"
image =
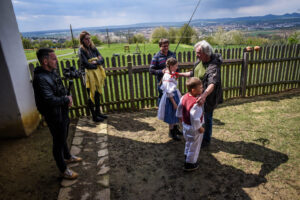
{"points": [[205, 47]]}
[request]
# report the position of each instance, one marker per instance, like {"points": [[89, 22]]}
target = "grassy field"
{"points": [[108, 51]]}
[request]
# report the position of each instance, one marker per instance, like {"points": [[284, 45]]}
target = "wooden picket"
{"points": [[130, 86]]}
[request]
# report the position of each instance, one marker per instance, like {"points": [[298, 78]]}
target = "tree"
{"points": [[26, 43], [46, 44], [69, 43], [159, 33], [189, 33], [172, 35], [96, 40], [139, 38], [294, 38]]}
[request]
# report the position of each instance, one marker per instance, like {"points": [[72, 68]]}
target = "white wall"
{"points": [[17, 105]]}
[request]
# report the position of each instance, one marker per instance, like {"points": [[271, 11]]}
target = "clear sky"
{"points": [[35, 15]]}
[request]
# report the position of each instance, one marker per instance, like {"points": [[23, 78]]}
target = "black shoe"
{"points": [[97, 119], [178, 132], [188, 167], [173, 135], [102, 115], [99, 114]]}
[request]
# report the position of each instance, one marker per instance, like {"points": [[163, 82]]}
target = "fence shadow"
{"points": [[154, 171], [273, 97]]}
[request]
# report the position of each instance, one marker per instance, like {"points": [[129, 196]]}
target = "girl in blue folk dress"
{"points": [[170, 99]]}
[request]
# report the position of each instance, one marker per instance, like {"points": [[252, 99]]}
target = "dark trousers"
{"points": [[60, 150], [208, 119], [96, 98]]}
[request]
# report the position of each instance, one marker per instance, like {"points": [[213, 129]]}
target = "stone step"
{"points": [[90, 143]]}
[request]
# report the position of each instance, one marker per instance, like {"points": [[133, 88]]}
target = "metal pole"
{"points": [[187, 25]]}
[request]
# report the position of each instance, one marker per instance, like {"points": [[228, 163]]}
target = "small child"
{"points": [[170, 99], [192, 118]]}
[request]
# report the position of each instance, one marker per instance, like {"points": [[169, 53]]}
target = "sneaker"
{"points": [[69, 174], [188, 167], [73, 159]]}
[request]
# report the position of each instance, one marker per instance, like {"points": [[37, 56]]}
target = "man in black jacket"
{"points": [[208, 70], [52, 102]]}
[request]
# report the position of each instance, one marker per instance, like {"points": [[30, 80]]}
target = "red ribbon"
{"points": [[176, 74]]}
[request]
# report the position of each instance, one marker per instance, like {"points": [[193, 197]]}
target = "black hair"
{"points": [[43, 53]]}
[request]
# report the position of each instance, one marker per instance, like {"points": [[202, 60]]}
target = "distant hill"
{"points": [[270, 19]]}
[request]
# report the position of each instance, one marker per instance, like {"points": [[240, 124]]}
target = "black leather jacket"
{"points": [[212, 76], [84, 56], [50, 95]]}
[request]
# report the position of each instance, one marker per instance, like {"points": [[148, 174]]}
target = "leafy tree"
{"points": [[159, 33], [46, 44], [172, 36], [294, 38], [138, 38], [69, 43], [26, 43], [96, 40], [189, 33]]}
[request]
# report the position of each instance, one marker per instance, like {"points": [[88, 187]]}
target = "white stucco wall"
{"points": [[20, 105]]}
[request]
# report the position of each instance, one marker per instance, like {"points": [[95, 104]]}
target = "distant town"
{"points": [[119, 34]]}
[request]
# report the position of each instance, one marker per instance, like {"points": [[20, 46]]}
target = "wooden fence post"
{"points": [[244, 73], [131, 88]]}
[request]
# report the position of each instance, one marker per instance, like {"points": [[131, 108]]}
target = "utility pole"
{"points": [[128, 37], [107, 38], [72, 39]]}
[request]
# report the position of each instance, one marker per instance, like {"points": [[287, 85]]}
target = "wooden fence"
{"points": [[129, 86]]}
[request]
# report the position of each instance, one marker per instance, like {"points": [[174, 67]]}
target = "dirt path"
{"points": [[146, 164]]}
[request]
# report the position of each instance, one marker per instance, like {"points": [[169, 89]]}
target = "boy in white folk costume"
{"points": [[192, 118]]}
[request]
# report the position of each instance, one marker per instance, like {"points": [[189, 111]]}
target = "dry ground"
{"points": [[254, 154]]}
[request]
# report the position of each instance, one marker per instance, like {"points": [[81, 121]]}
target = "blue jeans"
{"points": [[208, 118]]}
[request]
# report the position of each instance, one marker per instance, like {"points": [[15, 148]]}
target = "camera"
{"points": [[72, 72]]}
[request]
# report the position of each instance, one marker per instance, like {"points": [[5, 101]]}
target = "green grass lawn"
{"points": [[108, 51], [272, 124], [31, 54]]}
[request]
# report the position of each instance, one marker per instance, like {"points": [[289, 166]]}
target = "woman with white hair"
{"points": [[208, 69]]}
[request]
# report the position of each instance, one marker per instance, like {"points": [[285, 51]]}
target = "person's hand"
{"points": [[175, 106], [201, 130], [94, 62], [71, 101], [180, 119], [201, 100]]}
